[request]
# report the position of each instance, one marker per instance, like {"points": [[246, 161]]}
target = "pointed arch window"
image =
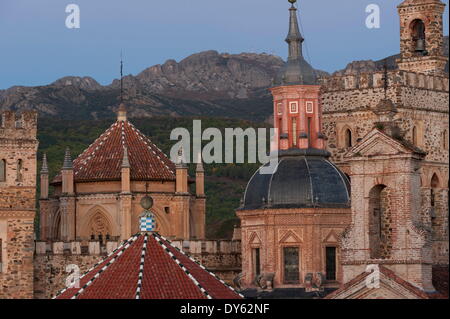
{"points": [[434, 186], [348, 138], [2, 170]]}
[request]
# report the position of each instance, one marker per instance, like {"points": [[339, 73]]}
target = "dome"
{"points": [[296, 72], [303, 179]]}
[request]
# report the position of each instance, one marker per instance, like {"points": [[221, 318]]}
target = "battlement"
{"points": [[95, 248], [18, 125], [376, 80]]}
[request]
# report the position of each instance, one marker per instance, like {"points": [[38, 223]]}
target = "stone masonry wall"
{"points": [[18, 147], [16, 279]]}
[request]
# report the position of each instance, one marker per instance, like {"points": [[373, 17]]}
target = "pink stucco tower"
{"points": [[297, 110]]}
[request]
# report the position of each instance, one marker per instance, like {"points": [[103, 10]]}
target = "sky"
{"points": [[36, 47]]}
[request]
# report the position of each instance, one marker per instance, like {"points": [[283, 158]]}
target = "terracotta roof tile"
{"points": [[149, 267], [102, 160]]}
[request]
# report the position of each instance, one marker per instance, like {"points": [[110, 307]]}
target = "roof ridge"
{"points": [[118, 251], [141, 268], [200, 265]]}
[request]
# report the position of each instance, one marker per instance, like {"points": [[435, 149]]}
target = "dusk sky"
{"points": [[37, 48]]}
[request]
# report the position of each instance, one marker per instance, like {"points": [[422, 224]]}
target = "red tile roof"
{"points": [[147, 266], [102, 160]]}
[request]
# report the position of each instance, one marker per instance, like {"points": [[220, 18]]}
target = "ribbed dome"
{"points": [[296, 72], [300, 181]]}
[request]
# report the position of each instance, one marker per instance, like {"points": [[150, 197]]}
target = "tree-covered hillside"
{"points": [[225, 183]]}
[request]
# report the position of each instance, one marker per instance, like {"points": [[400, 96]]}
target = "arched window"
{"points": [[380, 224], [434, 186], [418, 35], [2, 170], [348, 138], [434, 210], [19, 170]]}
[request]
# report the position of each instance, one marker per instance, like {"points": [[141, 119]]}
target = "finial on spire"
{"points": [[125, 160], [44, 169], [121, 77], [67, 160], [294, 38], [122, 111]]}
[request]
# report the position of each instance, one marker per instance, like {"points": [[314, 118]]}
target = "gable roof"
{"points": [[377, 142], [356, 287], [147, 266], [102, 160]]}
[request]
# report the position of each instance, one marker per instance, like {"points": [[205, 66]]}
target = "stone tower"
{"points": [[421, 36], [388, 130], [18, 147], [292, 217], [296, 97]]}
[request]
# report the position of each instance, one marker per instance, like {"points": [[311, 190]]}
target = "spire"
{"points": [[125, 161], [122, 111], [44, 169], [67, 160], [294, 38], [121, 78], [296, 71]]}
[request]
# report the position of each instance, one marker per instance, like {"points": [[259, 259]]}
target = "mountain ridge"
{"points": [[207, 83]]}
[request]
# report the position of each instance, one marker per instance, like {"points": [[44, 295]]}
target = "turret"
{"points": [[181, 173], [44, 178], [200, 178], [125, 173], [67, 174]]}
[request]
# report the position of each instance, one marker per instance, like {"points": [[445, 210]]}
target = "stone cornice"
{"points": [[14, 213]]}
